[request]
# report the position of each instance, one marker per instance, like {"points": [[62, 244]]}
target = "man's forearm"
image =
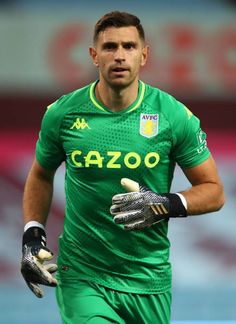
{"points": [[204, 198], [37, 195], [207, 193]]}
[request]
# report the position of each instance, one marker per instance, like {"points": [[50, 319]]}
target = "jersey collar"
{"points": [[132, 107]]}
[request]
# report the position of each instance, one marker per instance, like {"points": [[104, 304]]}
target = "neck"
{"points": [[116, 99]]}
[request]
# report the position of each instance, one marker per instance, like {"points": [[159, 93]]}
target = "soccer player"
{"points": [[120, 140]]}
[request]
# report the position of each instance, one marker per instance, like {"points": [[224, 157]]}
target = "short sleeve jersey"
{"points": [[99, 147]]}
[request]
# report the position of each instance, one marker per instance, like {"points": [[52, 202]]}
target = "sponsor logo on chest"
{"points": [[149, 125]]}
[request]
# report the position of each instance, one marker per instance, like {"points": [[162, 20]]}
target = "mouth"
{"points": [[119, 70]]}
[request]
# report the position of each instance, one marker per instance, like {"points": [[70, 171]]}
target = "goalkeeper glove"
{"points": [[142, 207], [34, 253]]}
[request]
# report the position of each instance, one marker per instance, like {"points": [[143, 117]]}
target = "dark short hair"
{"points": [[118, 19]]}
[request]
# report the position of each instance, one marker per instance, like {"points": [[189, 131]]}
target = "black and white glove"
{"points": [[34, 253], [142, 207]]}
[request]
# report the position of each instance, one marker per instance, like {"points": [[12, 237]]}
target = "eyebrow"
{"points": [[115, 43]]}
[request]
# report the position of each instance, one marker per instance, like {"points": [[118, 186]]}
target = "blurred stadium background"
{"points": [[43, 54]]}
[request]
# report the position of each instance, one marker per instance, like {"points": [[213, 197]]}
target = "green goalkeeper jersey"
{"points": [[142, 142]]}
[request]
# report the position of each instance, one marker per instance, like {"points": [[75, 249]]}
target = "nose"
{"points": [[119, 54]]}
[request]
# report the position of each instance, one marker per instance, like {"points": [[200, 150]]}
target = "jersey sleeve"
{"points": [[190, 145], [49, 149]]}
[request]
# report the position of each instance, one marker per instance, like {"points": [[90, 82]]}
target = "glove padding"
{"points": [[142, 207], [34, 253]]}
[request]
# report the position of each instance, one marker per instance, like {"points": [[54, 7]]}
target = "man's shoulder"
{"points": [[70, 100], [166, 104], [165, 99]]}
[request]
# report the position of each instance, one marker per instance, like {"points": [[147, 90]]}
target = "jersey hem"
{"points": [[135, 290]]}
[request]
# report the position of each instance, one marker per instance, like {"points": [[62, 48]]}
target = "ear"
{"points": [[93, 54], [145, 52]]}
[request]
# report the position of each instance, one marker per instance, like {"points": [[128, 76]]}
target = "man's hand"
{"points": [[34, 253], [142, 207]]}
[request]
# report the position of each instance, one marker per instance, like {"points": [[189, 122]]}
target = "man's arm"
{"points": [[206, 194], [38, 194], [141, 207], [36, 204]]}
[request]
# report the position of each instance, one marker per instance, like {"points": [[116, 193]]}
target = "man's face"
{"points": [[119, 53]]}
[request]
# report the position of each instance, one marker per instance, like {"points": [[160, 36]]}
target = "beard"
{"points": [[119, 82]]}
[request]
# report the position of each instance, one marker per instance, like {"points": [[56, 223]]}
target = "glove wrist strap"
{"points": [[33, 224], [34, 233], [176, 208]]}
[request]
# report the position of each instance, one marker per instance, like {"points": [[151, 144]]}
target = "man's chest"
{"points": [[114, 141]]}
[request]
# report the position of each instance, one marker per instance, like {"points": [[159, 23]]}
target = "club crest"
{"points": [[149, 125]]}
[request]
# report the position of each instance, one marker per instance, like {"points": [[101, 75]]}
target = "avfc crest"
{"points": [[149, 125]]}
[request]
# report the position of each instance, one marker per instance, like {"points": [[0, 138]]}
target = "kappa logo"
{"points": [[149, 125], [80, 123]]}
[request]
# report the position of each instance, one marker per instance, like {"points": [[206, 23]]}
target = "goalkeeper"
{"points": [[120, 140]]}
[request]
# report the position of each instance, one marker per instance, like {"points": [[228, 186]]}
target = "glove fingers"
{"points": [[34, 271], [130, 185], [35, 289], [51, 267], [127, 205], [136, 225], [123, 208], [45, 276], [52, 284], [36, 279], [125, 197], [115, 209], [140, 225], [44, 255], [131, 216]]}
